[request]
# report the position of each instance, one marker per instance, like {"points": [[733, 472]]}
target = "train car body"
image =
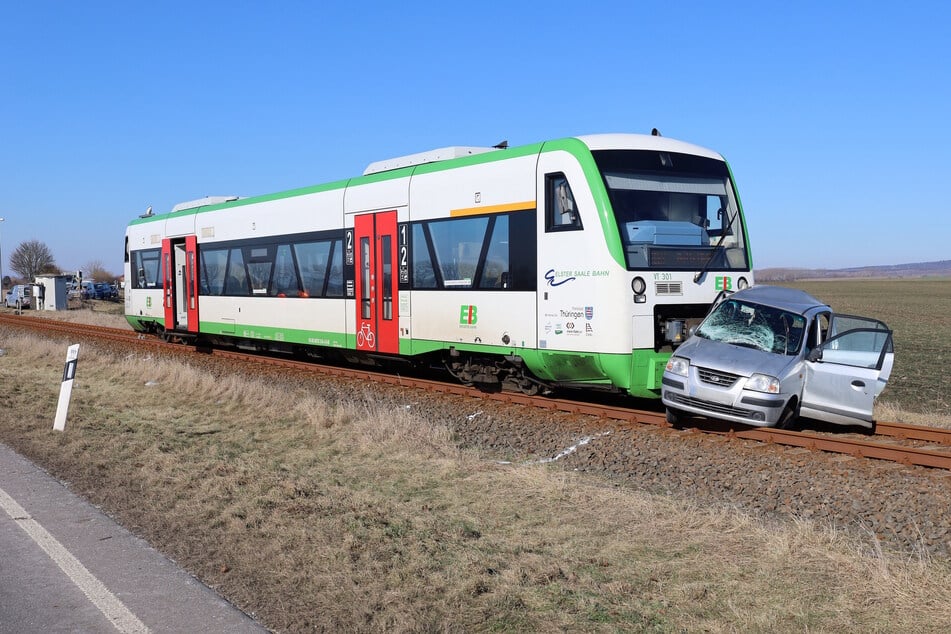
{"points": [[580, 262]]}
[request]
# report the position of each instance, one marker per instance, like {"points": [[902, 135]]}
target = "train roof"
{"points": [[593, 141], [201, 202], [431, 156], [644, 142]]}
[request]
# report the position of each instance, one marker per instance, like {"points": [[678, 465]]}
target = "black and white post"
{"points": [[66, 389]]}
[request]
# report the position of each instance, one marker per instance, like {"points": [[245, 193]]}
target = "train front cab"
{"points": [[618, 291]]}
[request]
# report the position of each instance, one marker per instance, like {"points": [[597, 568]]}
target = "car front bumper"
{"points": [[733, 403]]}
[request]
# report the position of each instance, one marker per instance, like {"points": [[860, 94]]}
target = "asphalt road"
{"points": [[67, 567]]}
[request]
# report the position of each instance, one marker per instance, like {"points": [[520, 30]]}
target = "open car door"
{"points": [[847, 371]]}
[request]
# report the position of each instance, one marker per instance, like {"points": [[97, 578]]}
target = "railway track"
{"points": [[896, 442]]}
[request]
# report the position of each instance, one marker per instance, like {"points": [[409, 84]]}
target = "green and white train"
{"points": [[580, 262]]}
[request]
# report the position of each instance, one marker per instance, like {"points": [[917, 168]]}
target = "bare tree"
{"points": [[32, 258], [96, 270]]}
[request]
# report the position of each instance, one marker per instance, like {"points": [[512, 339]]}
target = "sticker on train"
{"points": [[468, 315]]}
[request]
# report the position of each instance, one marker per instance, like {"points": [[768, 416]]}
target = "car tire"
{"points": [[789, 419], [674, 417]]}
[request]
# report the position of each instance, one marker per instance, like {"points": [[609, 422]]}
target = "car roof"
{"points": [[791, 299]]}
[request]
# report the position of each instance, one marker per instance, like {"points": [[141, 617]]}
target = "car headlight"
{"points": [[678, 365], [763, 383]]}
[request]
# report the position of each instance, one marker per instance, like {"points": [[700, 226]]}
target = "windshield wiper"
{"points": [[716, 249], [745, 344]]}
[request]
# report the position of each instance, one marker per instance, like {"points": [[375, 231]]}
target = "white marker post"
{"points": [[66, 389]]}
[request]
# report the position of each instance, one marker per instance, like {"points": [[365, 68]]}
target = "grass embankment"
{"points": [[317, 514]]}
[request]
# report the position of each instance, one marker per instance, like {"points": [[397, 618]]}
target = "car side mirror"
{"points": [[815, 354]]}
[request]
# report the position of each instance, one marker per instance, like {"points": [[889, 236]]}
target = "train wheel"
{"points": [[529, 388]]}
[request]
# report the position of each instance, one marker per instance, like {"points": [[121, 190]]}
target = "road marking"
{"points": [[110, 606]]}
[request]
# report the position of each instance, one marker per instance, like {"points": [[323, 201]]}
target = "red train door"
{"points": [[168, 286], [376, 285], [180, 283]]}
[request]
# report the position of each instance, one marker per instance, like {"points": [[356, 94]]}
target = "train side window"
{"points": [[458, 244], [561, 212], [496, 267], [424, 274], [236, 280], [523, 251], [148, 270], [284, 282], [335, 284], [260, 264], [312, 260], [213, 264]]}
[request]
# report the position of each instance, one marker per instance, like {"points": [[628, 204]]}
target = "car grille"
{"points": [[720, 379], [709, 406]]}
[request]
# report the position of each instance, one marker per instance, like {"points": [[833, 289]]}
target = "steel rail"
{"points": [[904, 431], [626, 416], [856, 448]]}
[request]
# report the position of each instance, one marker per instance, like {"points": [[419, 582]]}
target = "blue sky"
{"points": [[833, 116]]}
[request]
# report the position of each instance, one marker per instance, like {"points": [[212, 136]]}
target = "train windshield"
{"points": [[674, 211]]}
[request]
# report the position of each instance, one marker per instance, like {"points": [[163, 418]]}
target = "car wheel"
{"points": [[674, 417], [789, 419]]}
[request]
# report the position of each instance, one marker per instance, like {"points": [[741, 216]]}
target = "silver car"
{"points": [[18, 295], [767, 355]]}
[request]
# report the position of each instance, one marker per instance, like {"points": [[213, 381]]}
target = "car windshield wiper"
{"points": [[716, 249], [745, 344]]}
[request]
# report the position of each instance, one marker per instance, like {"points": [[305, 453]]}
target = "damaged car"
{"points": [[768, 355]]}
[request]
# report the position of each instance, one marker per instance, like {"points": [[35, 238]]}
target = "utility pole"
{"points": [[1, 263]]}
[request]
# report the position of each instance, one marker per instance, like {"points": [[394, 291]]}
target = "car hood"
{"points": [[727, 357]]}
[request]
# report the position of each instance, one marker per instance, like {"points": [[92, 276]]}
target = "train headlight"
{"points": [[639, 286], [763, 383], [742, 283], [678, 365]]}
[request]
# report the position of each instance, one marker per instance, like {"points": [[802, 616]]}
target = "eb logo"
{"points": [[468, 315], [723, 283]]}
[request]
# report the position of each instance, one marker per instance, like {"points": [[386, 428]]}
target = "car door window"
{"points": [[860, 342]]}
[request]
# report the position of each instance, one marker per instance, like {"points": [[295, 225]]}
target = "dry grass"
{"points": [[91, 312], [893, 412], [325, 515]]}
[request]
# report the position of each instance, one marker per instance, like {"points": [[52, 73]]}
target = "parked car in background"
{"points": [[106, 291], [765, 355], [89, 290], [20, 293]]}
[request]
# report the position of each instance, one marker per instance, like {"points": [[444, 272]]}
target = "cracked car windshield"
{"points": [[754, 326]]}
